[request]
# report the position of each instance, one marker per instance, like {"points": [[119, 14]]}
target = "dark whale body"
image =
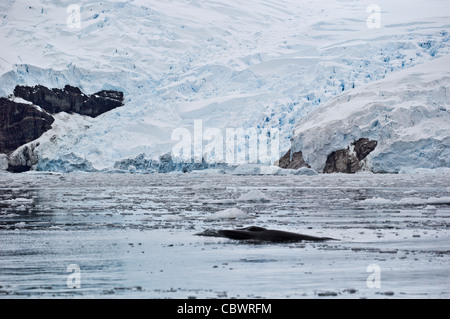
{"points": [[263, 234]]}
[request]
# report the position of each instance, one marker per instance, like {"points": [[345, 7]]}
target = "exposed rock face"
{"points": [[350, 160], [20, 124], [342, 161], [296, 162], [285, 160], [70, 99], [364, 147]]}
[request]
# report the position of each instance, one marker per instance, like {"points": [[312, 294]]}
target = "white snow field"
{"points": [[231, 64]]}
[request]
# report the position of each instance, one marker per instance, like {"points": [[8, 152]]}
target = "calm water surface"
{"points": [[134, 236]]}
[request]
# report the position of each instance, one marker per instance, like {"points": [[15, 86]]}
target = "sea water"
{"points": [[90, 235]]}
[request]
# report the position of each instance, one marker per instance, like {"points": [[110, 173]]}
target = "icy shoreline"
{"points": [[207, 170]]}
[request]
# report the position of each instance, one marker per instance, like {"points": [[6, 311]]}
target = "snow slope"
{"points": [[408, 113], [258, 64]]}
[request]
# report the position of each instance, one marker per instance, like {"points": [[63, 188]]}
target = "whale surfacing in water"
{"points": [[263, 234]]}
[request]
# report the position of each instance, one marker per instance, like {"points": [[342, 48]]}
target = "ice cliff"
{"points": [[407, 113]]}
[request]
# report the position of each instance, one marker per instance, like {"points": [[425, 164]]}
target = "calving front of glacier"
{"points": [[407, 113], [257, 65]]}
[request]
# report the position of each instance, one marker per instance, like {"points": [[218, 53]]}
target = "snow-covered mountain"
{"points": [[258, 64]]}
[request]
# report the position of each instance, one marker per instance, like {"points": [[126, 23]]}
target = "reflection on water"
{"points": [[134, 236]]}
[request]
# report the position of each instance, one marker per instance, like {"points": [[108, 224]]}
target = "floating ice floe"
{"points": [[17, 201], [247, 169], [305, 171], [438, 201], [20, 225], [253, 196], [270, 170], [230, 213], [408, 201]]}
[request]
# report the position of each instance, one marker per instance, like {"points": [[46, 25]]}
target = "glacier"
{"points": [[408, 113], [262, 65]]}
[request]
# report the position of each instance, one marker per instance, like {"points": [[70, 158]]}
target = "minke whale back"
{"points": [[262, 234]]}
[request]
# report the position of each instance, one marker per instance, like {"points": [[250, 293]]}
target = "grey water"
{"points": [[134, 236]]}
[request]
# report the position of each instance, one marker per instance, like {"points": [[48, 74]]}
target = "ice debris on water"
{"points": [[230, 213], [253, 196]]}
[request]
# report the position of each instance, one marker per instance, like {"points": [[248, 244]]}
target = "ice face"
{"points": [[406, 113]]}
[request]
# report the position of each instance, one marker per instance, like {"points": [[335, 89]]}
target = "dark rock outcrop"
{"points": [[296, 162], [364, 147], [342, 161], [285, 160], [350, 161], [70, 99], [20, 124]]}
